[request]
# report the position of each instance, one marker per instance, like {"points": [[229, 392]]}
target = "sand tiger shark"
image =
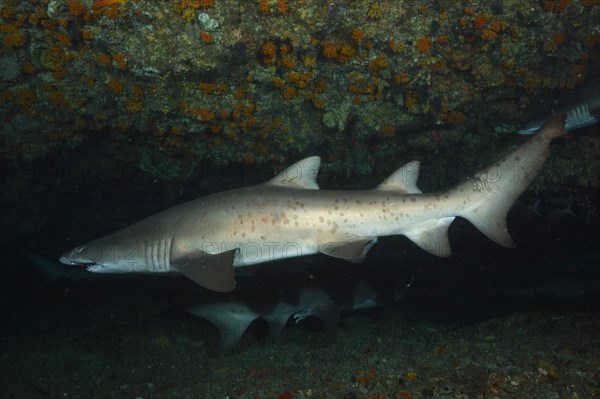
{"points": [[289, 216]]}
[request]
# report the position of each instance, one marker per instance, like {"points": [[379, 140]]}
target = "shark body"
{"points": [[289, 216], [323, 298]]}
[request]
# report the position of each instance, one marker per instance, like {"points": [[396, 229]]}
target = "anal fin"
{"points": [[432, 236]]}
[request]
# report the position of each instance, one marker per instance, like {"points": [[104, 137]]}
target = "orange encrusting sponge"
{"points": [[98, 4]]}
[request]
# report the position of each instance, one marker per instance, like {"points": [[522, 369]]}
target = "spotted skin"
{"points": [[289, 216]]}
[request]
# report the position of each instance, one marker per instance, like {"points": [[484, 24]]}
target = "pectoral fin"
{"points": [[231, 318], [214, 272], [277, 322]]}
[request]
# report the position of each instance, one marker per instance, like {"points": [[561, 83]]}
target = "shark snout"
{"points": [[102, 256], [80, 257], [77, 256], [67, 259]]}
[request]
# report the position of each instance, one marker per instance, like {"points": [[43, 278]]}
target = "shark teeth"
{"points": [[94, 267]]}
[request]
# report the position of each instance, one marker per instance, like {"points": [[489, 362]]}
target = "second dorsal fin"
{"points": [[404, 180]]}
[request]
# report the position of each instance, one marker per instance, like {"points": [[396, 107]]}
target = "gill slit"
{"points": [[157, 254]]}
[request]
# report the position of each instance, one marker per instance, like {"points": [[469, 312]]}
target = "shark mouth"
{"points": [[89, 266]]}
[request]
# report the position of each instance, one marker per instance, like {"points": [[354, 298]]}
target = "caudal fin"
{"points": [[485, 199]]}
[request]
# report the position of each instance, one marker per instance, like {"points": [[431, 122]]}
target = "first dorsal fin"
{"points": [[404, 180], [302, 174]]}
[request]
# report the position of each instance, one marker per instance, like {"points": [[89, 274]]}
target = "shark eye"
{"points": [[79, 250]]}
